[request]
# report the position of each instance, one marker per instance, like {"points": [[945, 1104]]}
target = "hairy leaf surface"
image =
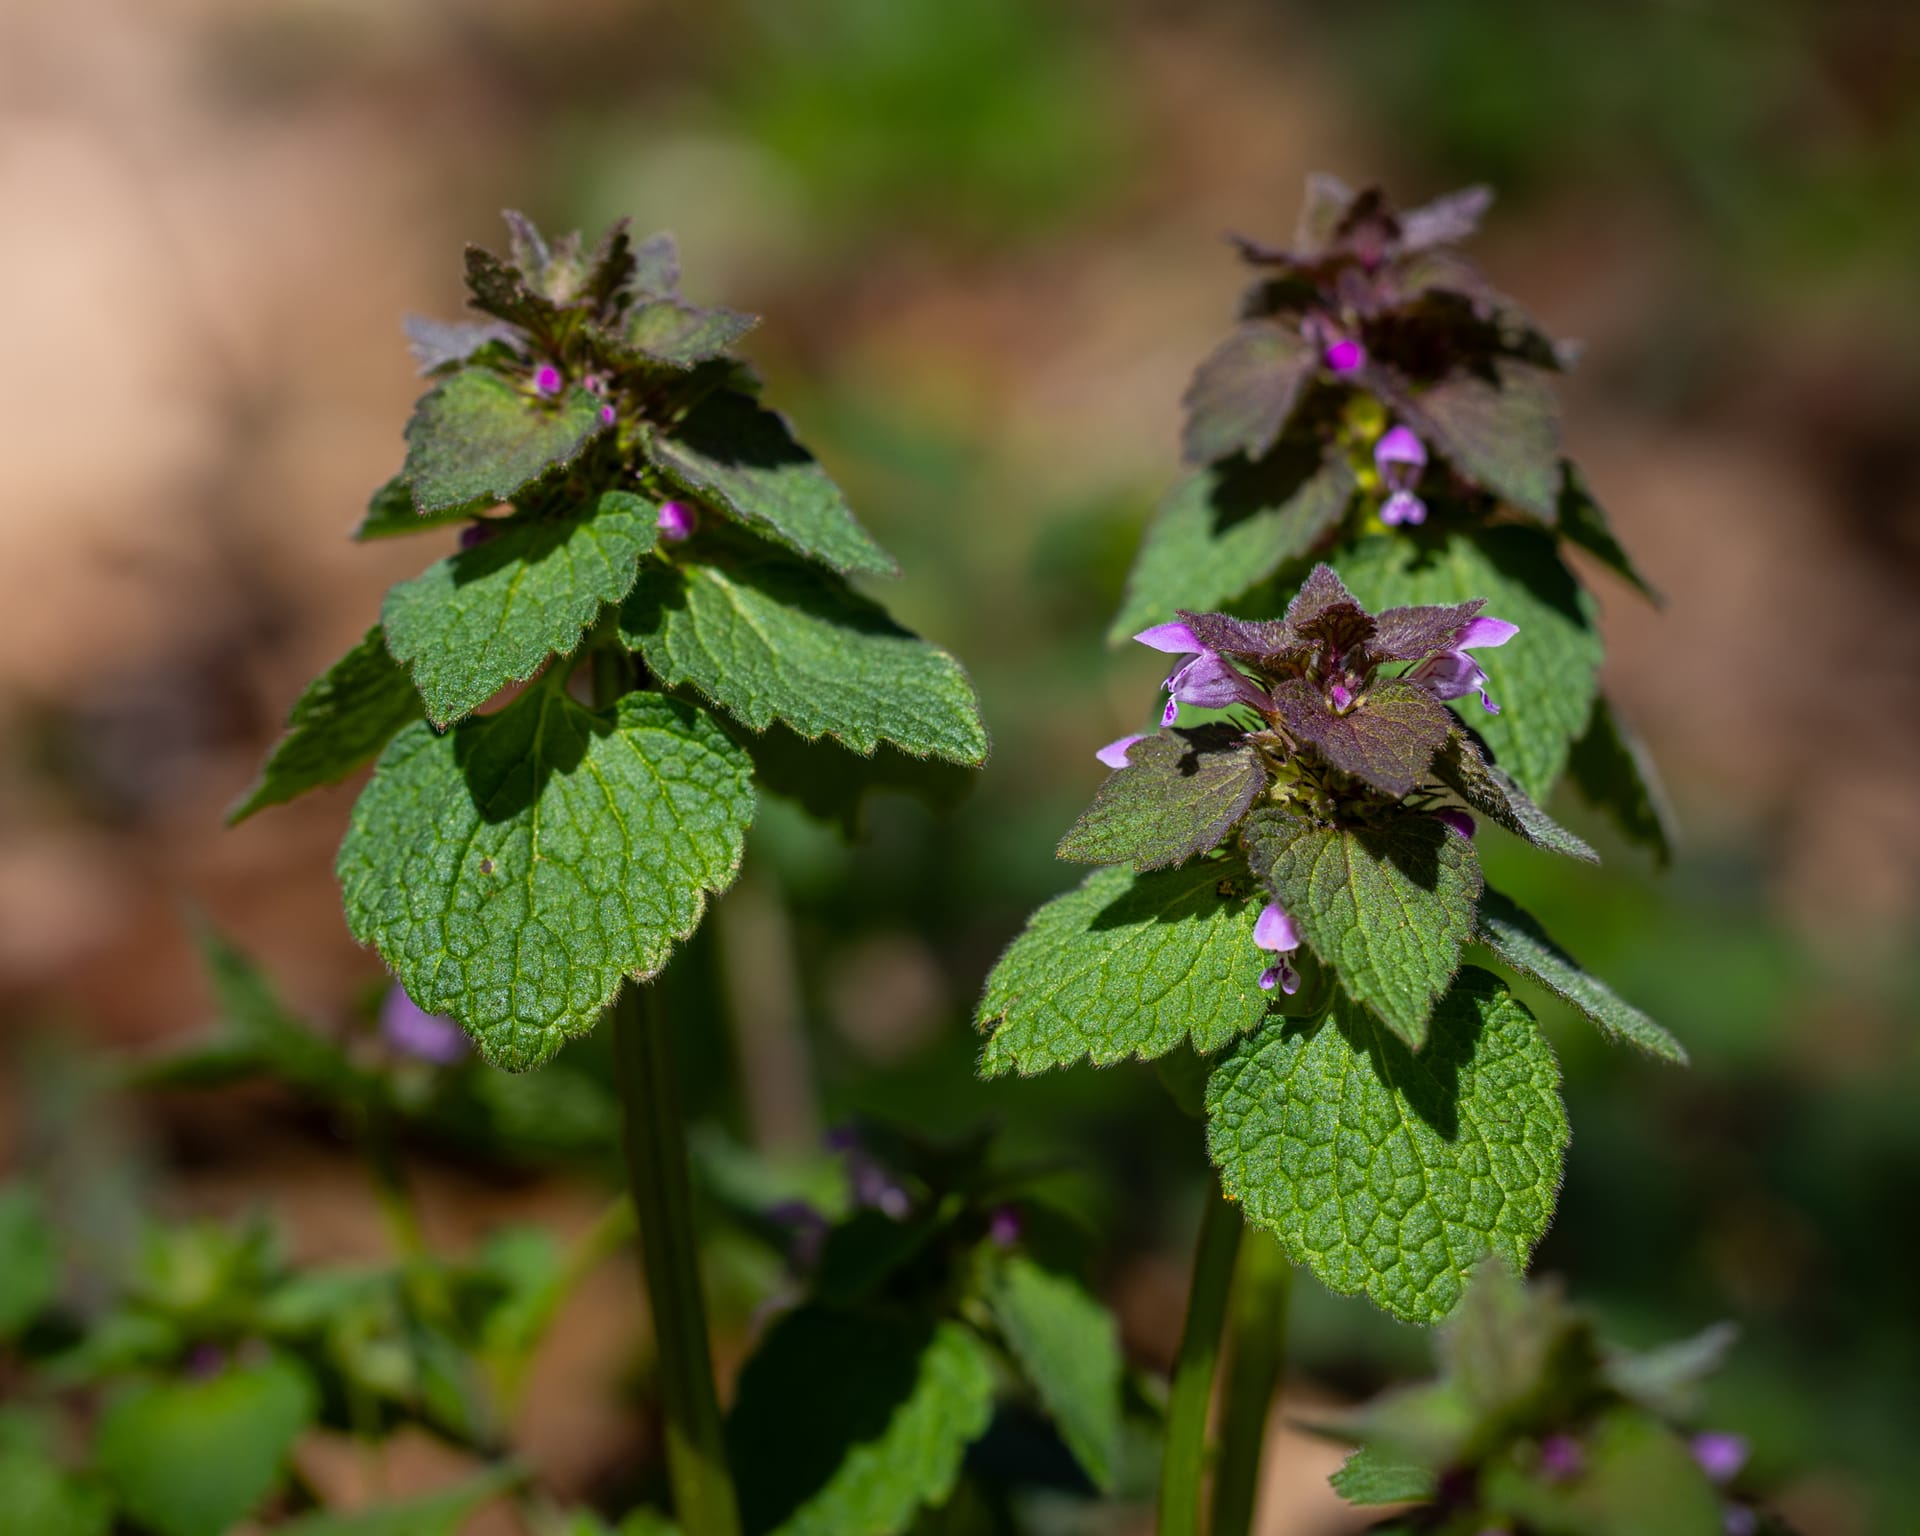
{"points": [[391, 513], [1221, 531], [1462, 768], [1371, 1476], [1180, 794], [1391, 1173], [1545, 678], [514, 869], [343, 720], [679, 334], [1242, 395], [741, 458], [1388, 739], [476, 437], [1387, 907], [891, 1403], [1518, 940], [1068, 1347], [1127, 966], [1504, 436], [492, 615], [768, 638]]}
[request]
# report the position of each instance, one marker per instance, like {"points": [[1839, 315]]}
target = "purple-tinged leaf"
{"points": [[1446, 220], [1583, 522], [1321, 591], [1180, 794], [610, 268], [1409, 634], [1388, 739], [498, 290], [1321, 213], [1256, 640], [437, 343], [1243, 395], [525, 244], [1463, 769], [656, 267], [1504, 436], [1324, 613]]}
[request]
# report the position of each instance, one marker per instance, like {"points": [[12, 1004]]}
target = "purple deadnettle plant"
{"points": [[650, 580], [1376, 648]]}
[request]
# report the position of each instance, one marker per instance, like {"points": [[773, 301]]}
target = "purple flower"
{"points": [[546, 379], [806, 1231], [1721, 1455], [204, 1361], [412, 1031], [1456, 818], [477, 533], [1274, 930], [1400, 456], [676, 522], [1206, 679], [1453, 673], [608, 415], [1561, 1458], [1345, 355], [1114, 753], [1005, 1226]]}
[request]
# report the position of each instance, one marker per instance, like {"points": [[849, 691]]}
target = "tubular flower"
{"points": [[1206, 679], [1453, 673], [677, 522], [1344, 355], [1400, 456], [546, 379], [1459, 820], [1275, 931], [1114, 753]]}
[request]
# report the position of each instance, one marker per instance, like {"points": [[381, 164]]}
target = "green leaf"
{"points": [[514, 869], [1584, 522], [192, 1458], [38, 1499], [1387, 907], [1667, 1378], [768, 638], [29, 1259], [1504, 435], [434, 1514], [1462, 768], [476, 437], [679, 334], [1614, 773], [743, 460], [833, 785], [258, 1025], [341, 723], [493, 614], [1180, 794], [1391, 1173], [1127, 966], [391, 513], [1518, 940], [888, 1404], [1545, 678], [1068, 1347], [1242, 395], [1371, 1476], [1639, 1476], [1223, 530]]}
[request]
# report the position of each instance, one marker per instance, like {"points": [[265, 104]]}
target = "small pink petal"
{"points": [[1341, 696], [1114, 753], [1275, 930], [1171, 713], [1403, 507], [608, 415], [1457, 819], [1399, 446], [546, 379], [1346, 356], [1175, 639], [1484, 633], [676, 522]]}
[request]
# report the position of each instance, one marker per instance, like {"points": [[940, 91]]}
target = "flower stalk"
{"points": [[1183, 1469]]}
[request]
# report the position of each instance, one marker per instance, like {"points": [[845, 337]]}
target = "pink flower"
{"points": [[1400, 457], [1458, 820], [1114, 753], [1453, 673], [547, 380], [1206, 680], [1345, 355], [676, 522], [1274, 930]]}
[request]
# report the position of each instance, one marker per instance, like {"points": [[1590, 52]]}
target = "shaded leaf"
{"points": [[768, 638], [1371, 1476], [1180, 794], [193, 1458], [833, 785], [1504, 436], [1242, 396], [1127, 966], [1462, 768], [679, 334], [1613, 771], [891, 1403], [1668, 1377], [341, 723], [1517, 939], [1391, 1173], [391, 513], [1221, 531], [514, 869], [491, 615], [730, 452], [29, 1260], [1387, 907], [1387, 738], [1068, 1347], [476, 437], [1584, 522], [1545, 678]]}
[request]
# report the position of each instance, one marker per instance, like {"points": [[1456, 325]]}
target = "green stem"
{"points": [[1183, 1468], [1256, 1355], [656, 1145]]}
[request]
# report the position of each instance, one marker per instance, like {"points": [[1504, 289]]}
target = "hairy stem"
{"points": [[1183, 1470], [1256, 1355], [656, 1146]]}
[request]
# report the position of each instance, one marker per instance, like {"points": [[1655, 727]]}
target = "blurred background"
{"points": [[986, 234]]}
